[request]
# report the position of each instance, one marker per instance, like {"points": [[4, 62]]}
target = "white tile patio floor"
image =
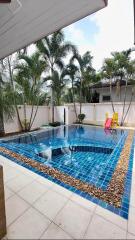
{"points": [[39, 209]]}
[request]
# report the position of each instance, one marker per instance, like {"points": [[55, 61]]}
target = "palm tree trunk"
{"points": [[90, 95], [32, 109], [124, 103], [34, 117], [80, 96], [18, 116], [74, 100], [58, 99], [128, 108], [111, 97], [52, 97], [2, 130], [52, 104], [25, 119]]}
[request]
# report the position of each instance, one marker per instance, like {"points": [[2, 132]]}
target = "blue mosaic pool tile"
{"points": [[31, 151], [103, 204], [82, 161]]}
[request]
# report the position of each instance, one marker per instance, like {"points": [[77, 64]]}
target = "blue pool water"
{"points": [[89, 154]]}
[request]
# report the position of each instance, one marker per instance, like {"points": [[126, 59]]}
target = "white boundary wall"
{"points": [[42, 118], [95, 114]]}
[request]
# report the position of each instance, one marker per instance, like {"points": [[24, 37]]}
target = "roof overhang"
{"points": [[25, 21]]}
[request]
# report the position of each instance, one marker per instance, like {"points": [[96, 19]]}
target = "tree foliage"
{"points": [[120, 67], [54, 49], [29, 84], [6, 101], [43, 77]]}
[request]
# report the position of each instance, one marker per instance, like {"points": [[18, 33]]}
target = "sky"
{"points": [[111, 29]]}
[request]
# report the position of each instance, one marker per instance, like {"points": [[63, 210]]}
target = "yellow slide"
{"points": [[114, 122]]}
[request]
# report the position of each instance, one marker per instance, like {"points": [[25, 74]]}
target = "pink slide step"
{"points": [[108, 123]]}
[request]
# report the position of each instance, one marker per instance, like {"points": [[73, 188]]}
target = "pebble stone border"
{"points": [[114, 192]]}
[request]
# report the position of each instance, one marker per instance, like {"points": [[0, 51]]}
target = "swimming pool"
{"points": [[75, 156]]}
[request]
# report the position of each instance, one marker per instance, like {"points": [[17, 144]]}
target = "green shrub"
{"points": [[55, 124], [81, 117], [25, 125]]}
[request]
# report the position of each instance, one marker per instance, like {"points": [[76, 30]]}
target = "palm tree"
{"points": [[130, 102], [90, 77], [54, 49], [85, 64], [59, 81], [120, 67], [108, 71], [29, 84], [6, 106], [123, 70], [72, 71], [58, 84], [68, 96], [8, 68]]}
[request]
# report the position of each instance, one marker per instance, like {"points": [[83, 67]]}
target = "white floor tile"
{"points": [[6, 167], [119, 221], [5, 161], [132, 197], [8, 192], [1, 159], [131, 220], [62, 190], [15, 206], [130, 236], [10, 174], [9, 162], [50, 204], [45, 181], [73, 219], [54, 232], [83, 202], [28, 172], [32, 192], [19, 182], [30, 225], [100, 228]]}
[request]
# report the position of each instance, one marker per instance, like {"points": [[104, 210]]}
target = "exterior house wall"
{"points": [[105, 91]]}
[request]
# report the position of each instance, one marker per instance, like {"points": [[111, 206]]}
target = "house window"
{"points": [[106, 98]]}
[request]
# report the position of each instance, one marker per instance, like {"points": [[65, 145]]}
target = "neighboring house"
{"points": [[102, 90]]}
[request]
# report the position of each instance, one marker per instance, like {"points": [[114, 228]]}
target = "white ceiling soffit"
{"points": [[25, 21]]}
